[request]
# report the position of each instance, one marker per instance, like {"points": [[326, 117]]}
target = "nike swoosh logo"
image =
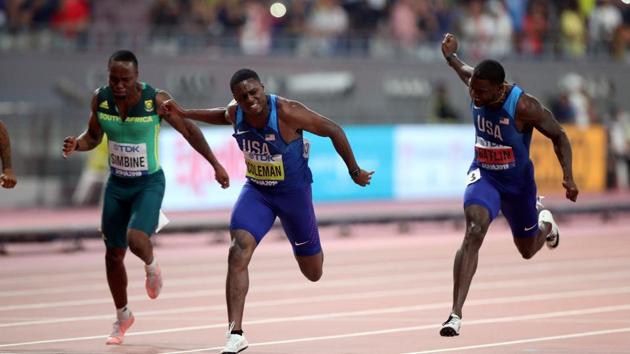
{"points": [[238, 132], [300, 243], [531, 228]]}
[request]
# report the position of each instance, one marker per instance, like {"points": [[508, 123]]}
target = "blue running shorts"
{"points": [[519, 208], [256, 209]]}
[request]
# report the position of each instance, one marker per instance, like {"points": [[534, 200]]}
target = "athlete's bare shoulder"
{"points": [[288, 107], [528, 105], [231, 110]]}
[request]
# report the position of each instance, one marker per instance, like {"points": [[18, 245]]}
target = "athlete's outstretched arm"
{"points": [[302, 118], [7, 178], [216, 116], [449, 50], [195, 138], [530, 112], [89, 139]]}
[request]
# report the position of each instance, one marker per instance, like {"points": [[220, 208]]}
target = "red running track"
{"points": [[382, 292]]}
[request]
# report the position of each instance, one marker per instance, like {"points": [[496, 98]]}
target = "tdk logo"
{"points": [[127, 148]]}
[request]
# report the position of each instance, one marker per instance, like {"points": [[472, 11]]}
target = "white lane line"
{"points": [[528, 340], [179, 271], [402, 309], [434, 327], [177, 279], [384, 293], [355, 281]]}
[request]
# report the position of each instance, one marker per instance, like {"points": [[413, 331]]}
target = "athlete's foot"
{"points": [[153, 282], [553, 237], [451, 327], [235, 343], [118, 333]]}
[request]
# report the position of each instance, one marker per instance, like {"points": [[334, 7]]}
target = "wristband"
{"points": [[355, 172]]}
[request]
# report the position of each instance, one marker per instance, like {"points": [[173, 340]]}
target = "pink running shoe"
{"points": [[118, 333], [153, 283]]}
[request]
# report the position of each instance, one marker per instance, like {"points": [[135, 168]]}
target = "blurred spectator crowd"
{"points": [[495, 28]]}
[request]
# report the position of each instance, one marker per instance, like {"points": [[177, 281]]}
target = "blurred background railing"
{"points": [[359, 62]]}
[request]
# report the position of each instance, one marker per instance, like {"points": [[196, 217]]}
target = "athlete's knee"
{"points": [[114, 256], [239, 254], [527, 253], [138, 241], [313, 274], [475, 233]]}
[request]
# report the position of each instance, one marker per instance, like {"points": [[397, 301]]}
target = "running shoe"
{"points": [[553, 238], [153, 282], [451, 327], [236, 343], [118, 332]]}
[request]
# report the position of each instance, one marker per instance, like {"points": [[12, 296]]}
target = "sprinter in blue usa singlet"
{"points": [[501, 176], [268, 129]]}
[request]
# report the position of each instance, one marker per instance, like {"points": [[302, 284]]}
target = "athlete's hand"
{"points": [[363, 178], [220, 174], [571, 188], [69, 146], [7, 179], [171, 108], [449, 45]]}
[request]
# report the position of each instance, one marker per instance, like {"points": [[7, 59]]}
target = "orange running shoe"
{"points": [[118, 333], [153, 282]]}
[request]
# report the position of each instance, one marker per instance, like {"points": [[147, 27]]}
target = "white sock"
{"points": [[543, 218], [123, 313], [151, 267]]}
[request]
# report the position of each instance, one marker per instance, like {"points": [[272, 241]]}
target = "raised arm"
{"points": [[530, 113], [89, 139], [449, 50], [216, 116], [297, 117], [7, 178], [195, 138]]}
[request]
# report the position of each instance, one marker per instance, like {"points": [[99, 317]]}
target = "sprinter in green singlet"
{"points": [[128, 112]]}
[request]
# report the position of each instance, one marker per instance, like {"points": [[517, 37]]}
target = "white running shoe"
{"points": [[553, 238], [236, 343], [153, 282], [120, 328], [451, 327]]}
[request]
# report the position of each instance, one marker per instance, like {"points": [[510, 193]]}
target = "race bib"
{"points": [[495, 157], [264, 167], [307, 148], [128, 160], [473, 176]]}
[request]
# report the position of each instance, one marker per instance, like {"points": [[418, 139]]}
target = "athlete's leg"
{"points": [[297, 215], [145, 215], [140, 245], [242, 248], [529, 246], [311, 266], [116, 275], [114, 220], [252, 217], [529, 233], [481, 205], [467, 256]]}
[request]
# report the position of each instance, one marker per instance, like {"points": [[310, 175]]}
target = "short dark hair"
{"points": [[490, 70], [124, 55], [242, 75]]}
